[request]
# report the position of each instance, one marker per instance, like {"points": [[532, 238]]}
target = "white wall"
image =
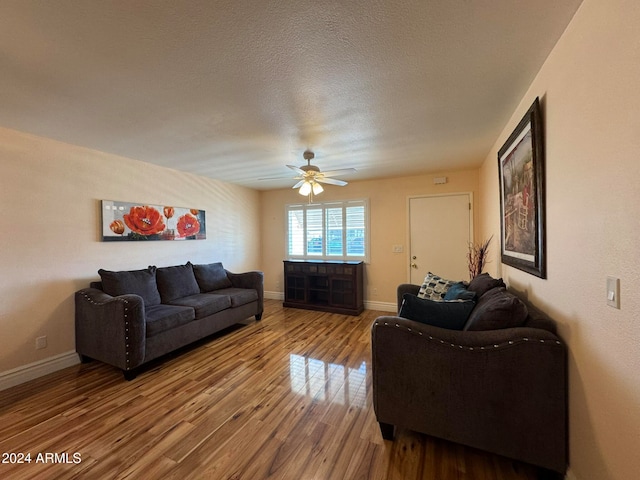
{"points": [[50, 247], [589, 88]]}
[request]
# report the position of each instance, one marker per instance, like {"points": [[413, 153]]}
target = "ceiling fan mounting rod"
{"points": [[308, 155], [309, 169]]}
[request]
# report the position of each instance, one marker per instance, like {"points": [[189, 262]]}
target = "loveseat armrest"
{"points": [[471, 339], [406, 288], [504, 391], [110, 329], [253, 280]]}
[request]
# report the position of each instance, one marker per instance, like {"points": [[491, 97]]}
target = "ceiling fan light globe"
{"points": [[305, 189], [317, 188]]}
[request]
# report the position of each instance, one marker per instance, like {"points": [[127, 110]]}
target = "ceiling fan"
{"points": [[311, 177]]}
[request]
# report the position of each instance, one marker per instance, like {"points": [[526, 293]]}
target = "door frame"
{"points": [[451, 194]]}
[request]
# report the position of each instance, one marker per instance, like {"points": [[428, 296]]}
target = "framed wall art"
{"points": [[522, 198], [123, 221]]}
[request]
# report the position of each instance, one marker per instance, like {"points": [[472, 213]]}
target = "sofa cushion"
{"points": [[434, 287], [239, 296], [211, 277], [138, 282], [497, 309], [176, 282], [458, 291], [160, 318], [483, 283], [204, 304], [444, 314]]}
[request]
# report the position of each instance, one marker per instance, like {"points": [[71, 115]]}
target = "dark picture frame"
{"points": [[522, 195]]}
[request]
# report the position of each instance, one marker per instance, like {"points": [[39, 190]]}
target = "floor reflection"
{"points": [[328, 381]]}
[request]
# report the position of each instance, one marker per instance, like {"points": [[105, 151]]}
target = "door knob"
{"points": [[414, 257], [413, 265]]}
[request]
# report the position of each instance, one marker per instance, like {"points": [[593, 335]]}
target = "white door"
{"points": [[440, 231]]}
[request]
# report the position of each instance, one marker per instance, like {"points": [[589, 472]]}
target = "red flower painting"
{"points": [[188, 225], [144, 220], [133, 222]]}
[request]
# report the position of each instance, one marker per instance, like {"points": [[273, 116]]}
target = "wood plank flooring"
{"points": [[288, 397]]}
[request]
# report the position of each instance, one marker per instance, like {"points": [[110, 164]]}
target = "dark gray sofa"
{"points": [[132, 317], [502, 390]]}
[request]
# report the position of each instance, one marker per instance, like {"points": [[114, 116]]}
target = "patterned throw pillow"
{"points": [[435, 287]]}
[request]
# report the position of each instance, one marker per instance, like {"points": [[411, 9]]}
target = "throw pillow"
{"points": [[138, 282], [176, 282], [211, 277], [483, 283], [458, 291], [452, 315], [434, 287], [497, 309]]}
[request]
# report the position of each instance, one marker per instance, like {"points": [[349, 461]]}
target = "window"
{"points": [[328, 231]]}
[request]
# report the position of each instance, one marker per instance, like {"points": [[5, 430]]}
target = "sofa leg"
{"points": [[129, 374], [388, 430], [258, 317]]}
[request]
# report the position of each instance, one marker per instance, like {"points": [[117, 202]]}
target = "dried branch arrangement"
{"points": [[477, 257]]}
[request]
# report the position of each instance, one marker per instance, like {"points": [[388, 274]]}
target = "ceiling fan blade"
{"points": [[299, 184], [331, 181], [342, 171], [296, 169]]}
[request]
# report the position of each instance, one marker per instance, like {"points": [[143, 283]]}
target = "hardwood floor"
{"points": [[288, 397]]}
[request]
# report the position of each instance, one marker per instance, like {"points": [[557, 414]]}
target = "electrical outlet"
{"points": [[41, 342]]}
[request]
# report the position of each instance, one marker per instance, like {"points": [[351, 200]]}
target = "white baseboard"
{"points": [[274, 295], [381, 306], [570, 475], [23, 374]]}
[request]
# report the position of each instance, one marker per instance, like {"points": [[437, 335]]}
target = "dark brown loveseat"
{"points": [[132, 317], [500, 390]]}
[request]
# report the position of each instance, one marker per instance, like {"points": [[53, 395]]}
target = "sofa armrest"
{"points": [[254, 280], [110, 329], [406, 288], [503, 391]]}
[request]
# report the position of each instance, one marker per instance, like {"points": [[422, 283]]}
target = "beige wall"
{"points": [[590, 97], [50, 240], [388, 216]]}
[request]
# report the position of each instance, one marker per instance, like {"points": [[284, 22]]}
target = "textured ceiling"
{"points": [[234, 90]]}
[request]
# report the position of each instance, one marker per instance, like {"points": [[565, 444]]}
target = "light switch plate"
{"points": [[613, 292]]}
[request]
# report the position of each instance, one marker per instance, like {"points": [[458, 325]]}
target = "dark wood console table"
{"points": [[328, 286]]}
